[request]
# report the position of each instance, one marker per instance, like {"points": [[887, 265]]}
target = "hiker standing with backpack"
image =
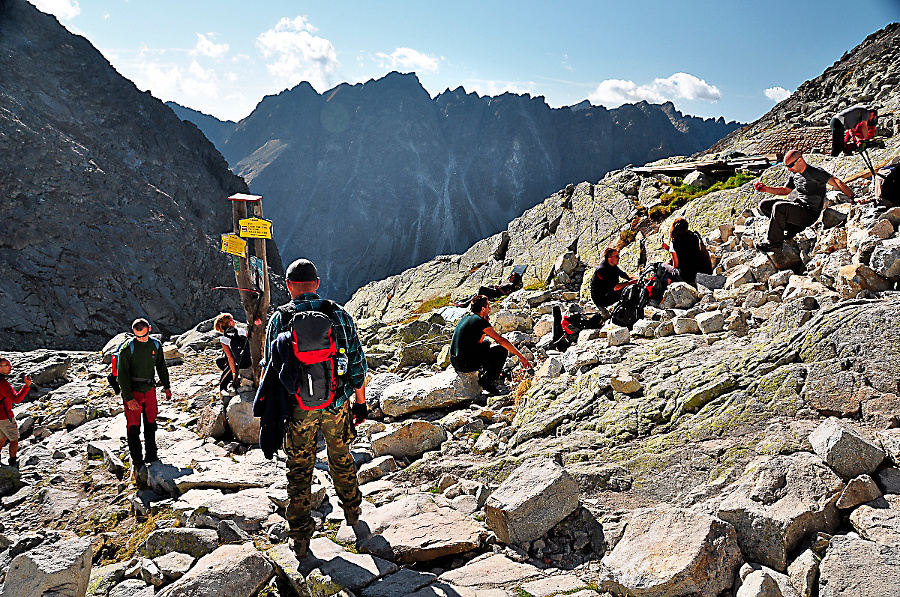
{"points": [[137, 363], [9, 429], [235, 351], [325, 390], [800, 201]]}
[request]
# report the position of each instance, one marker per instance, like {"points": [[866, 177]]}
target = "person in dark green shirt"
{"points": [[470, 352], [138, 361]]}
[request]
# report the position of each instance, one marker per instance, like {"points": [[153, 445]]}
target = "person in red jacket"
{"points": [[9, 429]]}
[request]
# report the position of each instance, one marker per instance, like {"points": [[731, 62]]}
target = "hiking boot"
{"points": [[495, 388], [139, 476], [301, 548], [351, 518], [770, 247], [13, 462]]}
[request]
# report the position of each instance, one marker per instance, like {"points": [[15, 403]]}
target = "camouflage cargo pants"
{"points": [[300, 448]]}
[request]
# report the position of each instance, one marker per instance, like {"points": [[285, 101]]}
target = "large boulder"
{"points": [[415, 529], [487, 572], [62, 568], [239, 414], [679, 295], [672, 552], [879, 521], [854, 566], [233, 570], [248, 508], [531, 501], [436, 391], [844, 449], [779, 500], [855, 278], [885, 259], [408, 440]]}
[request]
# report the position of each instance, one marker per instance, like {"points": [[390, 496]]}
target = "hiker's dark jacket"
{"points": [[273, 403], [136, 368]]}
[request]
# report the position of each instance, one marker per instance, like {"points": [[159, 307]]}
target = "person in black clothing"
{"points": [[500, 290], [687, 256], [470, 352], [605, 286], [799, 201]]}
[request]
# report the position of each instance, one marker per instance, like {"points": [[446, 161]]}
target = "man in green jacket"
{"points": [[138, 361]]}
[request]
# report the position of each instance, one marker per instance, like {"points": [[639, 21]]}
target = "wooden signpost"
{"points": [[253, 269]]}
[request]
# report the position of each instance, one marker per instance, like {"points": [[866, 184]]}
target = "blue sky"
{"points": [[711, 58]]}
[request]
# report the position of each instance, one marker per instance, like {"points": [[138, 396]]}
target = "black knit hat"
{"points": [[302, 270]]}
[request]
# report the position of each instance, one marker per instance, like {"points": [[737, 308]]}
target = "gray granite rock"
{"points": [[234, 570], [777, 501], [839, 572], [534, 498], [844, 449], [447, 388], [408, 439], [196, 542], [672, 551], [62, 568]]}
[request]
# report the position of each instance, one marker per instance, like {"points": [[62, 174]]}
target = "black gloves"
{"points": [[360, 411]]}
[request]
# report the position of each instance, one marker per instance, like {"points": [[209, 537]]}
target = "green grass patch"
{"points": [[681, 194], [536, 286], [627, 236], [435, 303]]}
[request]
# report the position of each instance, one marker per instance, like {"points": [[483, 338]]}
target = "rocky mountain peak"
{"points": [[113, 206]]}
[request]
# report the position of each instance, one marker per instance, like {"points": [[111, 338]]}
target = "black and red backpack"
{"points": [[316, 381]]}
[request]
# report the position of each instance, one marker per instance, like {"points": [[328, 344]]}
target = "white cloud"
{"points": [[206, 47], [615, 92], [482, 87], [299, 55], [61, 9], [777, 94], [407, 59]]}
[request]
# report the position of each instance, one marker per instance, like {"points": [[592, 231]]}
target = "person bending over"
{"points": [[470, 352]]}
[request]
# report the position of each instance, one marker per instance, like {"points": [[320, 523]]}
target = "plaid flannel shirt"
{"points": [[345, 336]]}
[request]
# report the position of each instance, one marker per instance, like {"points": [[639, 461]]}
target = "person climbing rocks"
{"points": [[470, 352], [852, 127], [9, 429], [605, 286], [235, 351], [333, 418], [800, 200], [139, 360]]}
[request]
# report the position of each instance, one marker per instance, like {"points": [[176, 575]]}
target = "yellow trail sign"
{"points": [[256, 228], [234, 245]]}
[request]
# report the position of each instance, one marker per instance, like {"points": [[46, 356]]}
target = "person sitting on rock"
{"points": [[9, 429], [800, 200], [851, 127], [235, 351], [605, 286], [138, 358], [497, 291], [687, 252], [470, 352]]}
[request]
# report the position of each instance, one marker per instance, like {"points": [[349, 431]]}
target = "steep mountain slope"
{"points": [[589, 217], [372, 178], [112, 206]]}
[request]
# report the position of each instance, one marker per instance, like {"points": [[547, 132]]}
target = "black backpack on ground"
{"points": [[240, 348], [889, 186], [631, 307], [314, 381]]}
